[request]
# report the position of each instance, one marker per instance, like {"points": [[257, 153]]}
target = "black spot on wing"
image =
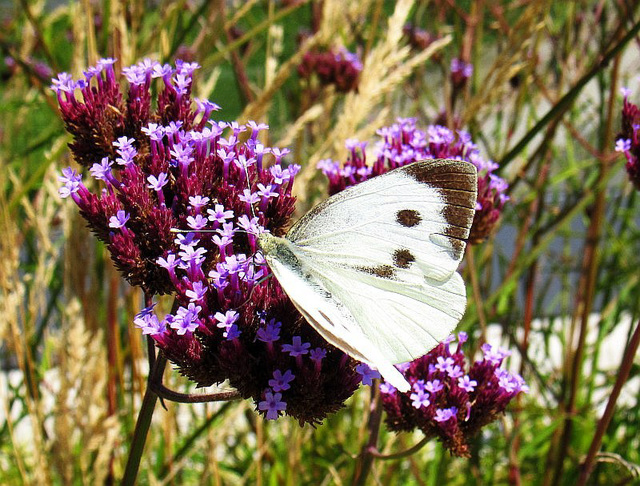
{"points": [[382, 271], [408, 217], [403, 258]]}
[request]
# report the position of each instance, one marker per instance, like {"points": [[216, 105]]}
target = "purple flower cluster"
{"points": [[419, 38], [460, 72], [40, 68], [446, 401], [628, 141], [164, 165], [402, 143], [338, 67]]}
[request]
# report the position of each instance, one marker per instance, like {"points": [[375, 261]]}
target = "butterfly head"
{"points": [[276, 248]]}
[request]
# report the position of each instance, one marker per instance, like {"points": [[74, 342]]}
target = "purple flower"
{"points": [[270, 333], [149, 323], [64, 83], [197, 222], [266, 191], [250, 226], [219, 215], [280, 382], [102, 170], [186, 319], [197, 292], [623, 145], [297, 347], [628, 140], [157, 183], [444, 364], [442, 415], [467, 383], [232, 332], [119, 220], [227, 319], [455, 372], [198, 202], [272, 405], [338, 67], [493, 354], [387, 388], [434, 386], [71, 180], [460, 72], [368, 374], [420, 399], [317, 355]]}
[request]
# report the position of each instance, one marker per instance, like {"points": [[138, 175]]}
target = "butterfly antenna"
{"points": [[248, 299], [246, 176]]}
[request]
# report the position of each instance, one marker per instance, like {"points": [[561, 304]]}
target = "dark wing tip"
{"points": [[457, 182], [445, 174]]}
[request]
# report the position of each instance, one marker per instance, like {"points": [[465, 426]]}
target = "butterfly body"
{"points": [[373, 268]]}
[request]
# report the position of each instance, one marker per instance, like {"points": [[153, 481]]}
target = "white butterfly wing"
{"points": [[373, 268], [333, 321], [426, 207]]}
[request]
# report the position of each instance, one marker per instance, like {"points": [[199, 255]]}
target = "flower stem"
{"points": [[366, 457], [142, 426], [565, 102], [623, 374]]}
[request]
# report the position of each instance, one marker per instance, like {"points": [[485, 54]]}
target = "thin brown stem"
{"points": [[366, 457], [402, 454], [586, 288], [623, 374], [477, 294]]}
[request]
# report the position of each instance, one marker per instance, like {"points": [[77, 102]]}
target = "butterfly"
{"points": [[373, 268]]}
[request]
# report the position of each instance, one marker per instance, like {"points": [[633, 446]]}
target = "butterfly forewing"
{"points": [[416, 216]]}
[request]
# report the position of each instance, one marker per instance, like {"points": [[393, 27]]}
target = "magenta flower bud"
{"points": [[338, 67]]}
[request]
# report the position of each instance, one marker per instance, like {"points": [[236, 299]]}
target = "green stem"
{"points": [[142, 427]]}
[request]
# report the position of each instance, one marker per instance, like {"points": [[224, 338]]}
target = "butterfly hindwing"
{"points": [[333, 321]]}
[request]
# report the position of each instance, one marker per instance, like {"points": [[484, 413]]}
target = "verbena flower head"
{"points": [[628, 141], [161, 163], [403, 143], [337, 66], [419, 38], [448, 399], [460, 72]]}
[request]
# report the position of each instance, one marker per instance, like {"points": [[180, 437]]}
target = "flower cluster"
{"points": [[628, 141], [39, 68], [448, 402], [338, 67], [419, 38], [163, 166], [402, 143], [460, 72]]}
